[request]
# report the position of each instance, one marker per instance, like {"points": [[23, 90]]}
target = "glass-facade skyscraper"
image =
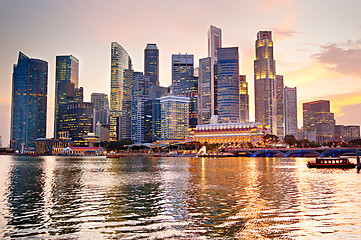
{"points": [[280, 106], [228, 84], [290, 110], [265, 82], [214, 42], [151, 63], [29, 102], [182, 68], [205, 91], [66, 86], [120, 93]]}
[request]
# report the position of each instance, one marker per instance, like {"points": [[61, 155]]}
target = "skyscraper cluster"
{"points": [[139, 109]]}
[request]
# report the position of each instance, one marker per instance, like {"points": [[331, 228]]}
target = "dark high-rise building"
{"points": [[101, 109], [66, 86], [317, 117], [228, 84], [214, 42], [140, 95], [205, 91], [265, 81], [290, 111], [243, 99], [182, 68], [120, 93], [76, 119], [188, 87], [151, 63], [339, 132], [29, 102], [280, 107]]}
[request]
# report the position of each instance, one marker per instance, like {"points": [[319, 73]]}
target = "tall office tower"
{"points": [[120, 93], [188, 87], [214, 42], [339, 132], [290, 111], [29, 102], [174, 117], [228, 84], [151, 63], [243, 99], [100, 109], [264, 81], [317, 117], [140, 95], [280, 107], [66, 85], [182, 67], [76, 120], [205, 91]]}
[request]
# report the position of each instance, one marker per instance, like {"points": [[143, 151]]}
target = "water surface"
{"points": [[176, 198]]}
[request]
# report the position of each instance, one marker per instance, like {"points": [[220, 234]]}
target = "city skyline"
{"points": [[307, 57]]}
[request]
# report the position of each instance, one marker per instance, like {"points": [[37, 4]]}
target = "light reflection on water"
{"points": [[176, 198]]}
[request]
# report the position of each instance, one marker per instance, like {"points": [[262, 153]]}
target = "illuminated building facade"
{"points": [[352, 132], [205, 91], [228, 84], [265, 81], [182, 68], [29, 102], [76, 119], [188, 87], [280, 106], [214, 42], [174, 117], [151, 63], [140, 95], [66, 86], [232, 133], [120, 93], [243, 99], [317, 117], [290, 111]]}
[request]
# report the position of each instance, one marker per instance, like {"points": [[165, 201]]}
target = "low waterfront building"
{"points": [[49, 146], [232, 133]]}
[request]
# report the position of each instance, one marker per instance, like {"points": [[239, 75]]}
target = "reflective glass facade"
{"points": [[120, 93], [66, 86], [204, 90], [228, 84], [29, 102], [182, 68], [243, 99], [280, 107], [151, 63], [265, 81], [290, 111]]}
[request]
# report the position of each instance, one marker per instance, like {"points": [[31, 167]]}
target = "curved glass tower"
{"points": [[120, 93]]}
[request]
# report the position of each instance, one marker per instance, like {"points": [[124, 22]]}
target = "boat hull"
{"points": [[314, 165]]}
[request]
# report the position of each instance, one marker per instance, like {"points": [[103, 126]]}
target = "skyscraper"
{"points": [[205, 91], [140, 95], [120, 93], [151, 63], [317, 117], [243, 99], [66, 85], [214, 42], [280, 107], [228, 84], [264, 81], [290, 110], [174, 117], [188, 87], [29, 102], [182, 68]]}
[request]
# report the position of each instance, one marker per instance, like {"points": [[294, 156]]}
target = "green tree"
{"points": [[290, 140]]}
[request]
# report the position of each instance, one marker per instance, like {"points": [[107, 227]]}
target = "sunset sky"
{"points": [[317, 43]]}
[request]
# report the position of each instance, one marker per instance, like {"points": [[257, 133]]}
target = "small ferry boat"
{"points": [[331, 162]]}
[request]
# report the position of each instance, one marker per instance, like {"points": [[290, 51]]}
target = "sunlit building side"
{"points": [[120, 93], [290, 111], [205, 91], [29, 102], [243, 99]]}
